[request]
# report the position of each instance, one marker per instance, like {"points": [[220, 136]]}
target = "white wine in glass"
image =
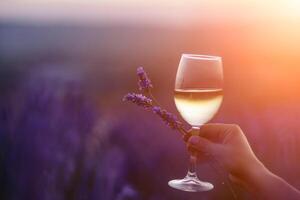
{"points": [[198, 95], [197, 106]]}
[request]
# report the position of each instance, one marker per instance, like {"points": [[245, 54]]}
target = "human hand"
{"points": [[227, 144]]}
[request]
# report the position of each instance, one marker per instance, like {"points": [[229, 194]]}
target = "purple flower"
{"points": [[169, 118], [138, 99], [144, 82], [145, 85]]}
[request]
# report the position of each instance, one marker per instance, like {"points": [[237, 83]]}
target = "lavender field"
{"points": [[66, 134]]}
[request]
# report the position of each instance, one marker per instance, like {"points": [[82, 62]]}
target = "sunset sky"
{"points": [[169, 11]]}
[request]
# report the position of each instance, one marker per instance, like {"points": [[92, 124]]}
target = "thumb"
{"points": [[203, 145]]}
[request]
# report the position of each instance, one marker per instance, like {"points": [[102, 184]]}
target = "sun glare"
{"points": [[169, 11]]}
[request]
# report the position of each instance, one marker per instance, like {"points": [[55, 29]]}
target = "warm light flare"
{"points": [[172, 11]]}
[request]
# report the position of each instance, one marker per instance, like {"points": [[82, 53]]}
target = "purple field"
{"points": [[66, 134]]}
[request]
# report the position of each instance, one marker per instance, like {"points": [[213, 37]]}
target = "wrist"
{"points": [[263, 184], [255, 178]]}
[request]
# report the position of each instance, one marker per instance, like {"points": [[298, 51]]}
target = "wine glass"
{"points": [[198, 96]]}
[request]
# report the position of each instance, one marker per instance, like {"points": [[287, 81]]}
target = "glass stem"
{"points": [[193, 157]]}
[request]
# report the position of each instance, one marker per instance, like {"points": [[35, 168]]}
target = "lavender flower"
{"points": [[141, 100], [144, 82], [169, 118], [138, 99]]}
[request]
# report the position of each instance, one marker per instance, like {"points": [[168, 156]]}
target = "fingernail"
{"points": [[194, 140]]}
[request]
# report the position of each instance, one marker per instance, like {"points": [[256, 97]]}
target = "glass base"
{"points": [[190, 183]]}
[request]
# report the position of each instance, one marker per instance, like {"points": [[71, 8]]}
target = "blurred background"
{"points": [[66, 64]]}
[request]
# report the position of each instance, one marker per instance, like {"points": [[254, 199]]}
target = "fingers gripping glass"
{"points": [[198, 95]]}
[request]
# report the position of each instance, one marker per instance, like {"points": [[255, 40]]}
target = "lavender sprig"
{"points": [[145, 85], [145, 102], [167, 117], [138, 99], [144, 82]]}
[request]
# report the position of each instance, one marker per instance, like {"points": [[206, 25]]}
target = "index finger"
{"points": [[216, 131]]}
